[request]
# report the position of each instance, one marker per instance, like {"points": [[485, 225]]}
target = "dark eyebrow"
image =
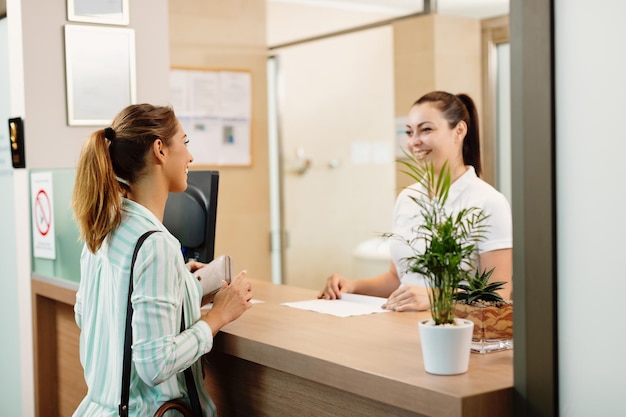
{"points": [[419, 125]]}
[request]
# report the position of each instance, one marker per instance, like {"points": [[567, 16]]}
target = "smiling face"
{"points": [[179, 158], [431, 139]]}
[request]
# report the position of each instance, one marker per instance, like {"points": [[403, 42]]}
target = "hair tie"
{"points": [[122, 180], [109, 133]]}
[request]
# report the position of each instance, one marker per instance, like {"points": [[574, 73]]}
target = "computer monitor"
{"points": [[191, 215]]}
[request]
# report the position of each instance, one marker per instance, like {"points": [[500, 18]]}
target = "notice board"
{"points": [[215, 109]]}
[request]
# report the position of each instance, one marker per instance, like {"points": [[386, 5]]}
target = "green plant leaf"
{"points": [[449, 241]]}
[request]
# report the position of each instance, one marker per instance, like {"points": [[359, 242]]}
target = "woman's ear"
{"points": [[159, 150], [461, 130]]}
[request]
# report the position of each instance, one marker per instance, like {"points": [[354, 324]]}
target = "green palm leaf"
{"points": [[449, 241]]}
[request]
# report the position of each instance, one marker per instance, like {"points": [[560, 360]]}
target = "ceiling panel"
{"points": [[294, 20]]}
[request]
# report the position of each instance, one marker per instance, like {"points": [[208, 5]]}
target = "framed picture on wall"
{"points": [[112, 12], [100, 73]]}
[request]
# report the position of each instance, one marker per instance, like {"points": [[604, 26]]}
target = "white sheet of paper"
{"points": [[209, 306], [348, 305]]}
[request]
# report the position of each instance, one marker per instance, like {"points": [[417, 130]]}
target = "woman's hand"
{"points": [[407, 298], [193, 266], [335, 285], [230, 302]]}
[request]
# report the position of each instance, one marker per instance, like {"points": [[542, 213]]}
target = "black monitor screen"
{"points": [[191, 215]]}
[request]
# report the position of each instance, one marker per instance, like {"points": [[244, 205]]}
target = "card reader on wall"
{"points": [[16, 136]]}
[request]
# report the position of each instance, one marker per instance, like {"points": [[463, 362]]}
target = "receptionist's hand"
{"points": [[408, 298], [336, 285]]}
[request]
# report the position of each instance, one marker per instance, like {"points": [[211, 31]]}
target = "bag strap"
{"points": [[128, 335], [190, 381], [178, 405]]}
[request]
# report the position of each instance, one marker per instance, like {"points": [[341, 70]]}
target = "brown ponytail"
{"points": [[111, 162], [456, 108]]}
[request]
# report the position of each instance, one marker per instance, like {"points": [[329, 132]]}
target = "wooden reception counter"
{"points": [[280, 361]]}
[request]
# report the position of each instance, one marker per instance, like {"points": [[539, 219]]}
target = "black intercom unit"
{"points": [[16, 136]]}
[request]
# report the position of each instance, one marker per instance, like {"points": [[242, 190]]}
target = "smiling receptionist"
{"points": [[441, 127]]}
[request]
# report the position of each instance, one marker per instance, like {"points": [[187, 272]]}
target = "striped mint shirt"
{"points": [[162, 285]]}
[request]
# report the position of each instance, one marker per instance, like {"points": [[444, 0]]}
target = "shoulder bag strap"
{"points": [[190, 382], [128, 335]]}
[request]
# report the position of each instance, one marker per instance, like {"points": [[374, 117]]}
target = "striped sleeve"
{"points": [[159, 349]]}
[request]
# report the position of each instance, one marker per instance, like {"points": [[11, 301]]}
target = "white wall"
{"points": [[9, 325], [5, 96], [591, 205], [37, 94], [503, 94], [53, 144], [21, 222]]}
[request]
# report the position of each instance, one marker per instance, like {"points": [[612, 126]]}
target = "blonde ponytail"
{"points": [[111, 161], [96, 199]]}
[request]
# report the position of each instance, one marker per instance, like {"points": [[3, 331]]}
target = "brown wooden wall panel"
{"points": [[71, 383], [269, 392], [59, 380], [46, 400]]}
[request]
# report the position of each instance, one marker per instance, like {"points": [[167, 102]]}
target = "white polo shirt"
{"points": [[467, 191]]}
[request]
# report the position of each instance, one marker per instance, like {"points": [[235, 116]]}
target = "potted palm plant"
{"points": [[478, 301], [446, 241]]}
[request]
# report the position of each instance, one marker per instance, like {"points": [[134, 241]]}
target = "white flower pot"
{"points": [[446, 348]]}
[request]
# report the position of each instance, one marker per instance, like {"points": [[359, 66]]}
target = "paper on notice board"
{"points": [[215, 110], [348, 305]]}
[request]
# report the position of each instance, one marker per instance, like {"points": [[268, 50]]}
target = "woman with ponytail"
{"points": [[123, 178], [442, 128]]}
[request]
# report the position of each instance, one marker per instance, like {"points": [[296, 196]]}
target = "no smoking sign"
{"points": [[42, 213]]}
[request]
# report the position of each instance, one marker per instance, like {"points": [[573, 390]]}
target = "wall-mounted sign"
{"points": [[42, 213]]}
